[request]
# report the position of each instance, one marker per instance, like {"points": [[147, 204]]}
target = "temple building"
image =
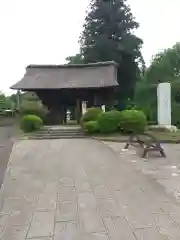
{"points": [[71, 86]]}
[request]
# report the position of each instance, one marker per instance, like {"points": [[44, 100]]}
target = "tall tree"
{"points": [[5, 102], [165, 66], [76, 59], [108, 35]]}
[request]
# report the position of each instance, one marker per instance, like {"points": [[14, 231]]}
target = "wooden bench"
{"points": [[147, 142]]}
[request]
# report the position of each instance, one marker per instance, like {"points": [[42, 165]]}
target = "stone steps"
{"points": [[34, 137], [60, 132]]}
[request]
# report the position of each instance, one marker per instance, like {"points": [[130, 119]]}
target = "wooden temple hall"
{"points": [[73, 87]]}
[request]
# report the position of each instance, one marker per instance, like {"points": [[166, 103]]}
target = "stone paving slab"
{"points": [[149, 234], [14, 232], [66, 211], [42, 225], [85, 189], [42, 238]]}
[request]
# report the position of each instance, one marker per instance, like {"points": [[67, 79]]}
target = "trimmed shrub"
{"points": [[109, 121], [33, 108], [133, 121], [92, 114], [92, 127], [30, 123]]}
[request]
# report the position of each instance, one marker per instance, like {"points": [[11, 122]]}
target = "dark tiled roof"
{"points": [[94, 75]]}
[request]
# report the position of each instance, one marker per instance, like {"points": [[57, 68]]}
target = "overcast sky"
{"points": [[47, 31]]}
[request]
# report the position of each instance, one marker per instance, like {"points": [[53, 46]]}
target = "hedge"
{"points": [[30, 123], [92, 114], [109, 121], [133, 121], [92, 127], [33, 108]]}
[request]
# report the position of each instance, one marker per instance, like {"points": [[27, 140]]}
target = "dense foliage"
{"points": [[133, 121], [165, 67], [33, 108], [92, 127], [92, 114], [6, 102], [126, 121], [30, 123], [109, 121], [29, 96], [77, 59]]}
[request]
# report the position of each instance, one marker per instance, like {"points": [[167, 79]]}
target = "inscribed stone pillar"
{"points": [[84, 107], [103, 108], [164, 104]]}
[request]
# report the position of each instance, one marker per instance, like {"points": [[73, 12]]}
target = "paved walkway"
{"points": [[82, 189]]}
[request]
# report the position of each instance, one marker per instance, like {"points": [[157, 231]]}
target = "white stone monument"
{"points": [[84, 107], [103, 107], [164, 104]]}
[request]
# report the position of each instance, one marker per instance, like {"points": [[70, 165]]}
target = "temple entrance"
{"points": [[67, 107]]}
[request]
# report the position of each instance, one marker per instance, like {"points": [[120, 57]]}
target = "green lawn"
{"points": [[168, 136], [162, 136]]}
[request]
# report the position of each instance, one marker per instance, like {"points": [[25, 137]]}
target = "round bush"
{"points": [[33, 108], [92, 114], [92, 127], [133, 121], [30, 123], [109, 121]]}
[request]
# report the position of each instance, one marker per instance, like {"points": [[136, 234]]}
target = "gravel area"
{"points": [[6, 143]]}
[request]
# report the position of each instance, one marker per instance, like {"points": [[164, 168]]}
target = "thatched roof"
{"points": [[94, 75]]}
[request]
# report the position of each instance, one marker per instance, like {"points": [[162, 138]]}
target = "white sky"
{"points": [[47, 31]]}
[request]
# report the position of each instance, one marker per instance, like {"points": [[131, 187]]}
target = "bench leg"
{"points": [[126, 146], [129, 142], [145, 151], [161, 150], [162, 153]]}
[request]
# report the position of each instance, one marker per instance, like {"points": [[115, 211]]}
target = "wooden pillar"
{"points": [[18, 100], [97, 100], [78, 110], [61, 115], [73, 113], [64, 115]]}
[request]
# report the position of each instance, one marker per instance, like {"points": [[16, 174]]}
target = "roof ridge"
{"points": [[72, 65]]}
